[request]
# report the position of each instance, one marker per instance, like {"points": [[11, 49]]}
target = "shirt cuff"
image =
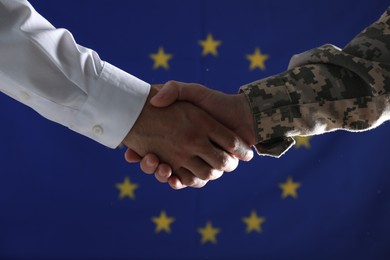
{"points": [[113, 104]]}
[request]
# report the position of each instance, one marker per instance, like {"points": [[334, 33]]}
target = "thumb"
{"points": [[131, 156], [178, 91], [167, 95]]}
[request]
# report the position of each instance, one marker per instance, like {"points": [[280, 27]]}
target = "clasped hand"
{"points": [[188, 134]]}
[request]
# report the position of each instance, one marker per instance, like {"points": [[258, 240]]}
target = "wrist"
{"points": [[247, 120], [140, 121]]}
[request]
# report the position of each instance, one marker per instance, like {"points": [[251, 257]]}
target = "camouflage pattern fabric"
{"points": [[325, 89]]}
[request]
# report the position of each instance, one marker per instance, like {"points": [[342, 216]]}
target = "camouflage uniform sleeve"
{"points": [[325, 89]]}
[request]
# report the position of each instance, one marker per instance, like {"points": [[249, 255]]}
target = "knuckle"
{"points": [[171, 83], [216, 174], [175, 186], [200, 184], [207, 174], [233, 143], [146, 169], [191, 181], [224, 162], [211, 174], [164, 171], [228, 163]]}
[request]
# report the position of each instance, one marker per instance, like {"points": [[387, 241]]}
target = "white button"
{"points": [[24, 95], [97, 130]]}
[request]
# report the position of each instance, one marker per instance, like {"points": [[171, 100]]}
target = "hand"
{"points": [[196, 146], [231, 110]]}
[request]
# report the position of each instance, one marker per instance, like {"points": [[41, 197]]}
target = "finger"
{"points": [[167, 95], [132, 156], [203, 170], [173, 91], [188, 179], [162, 179], [175, 183], [164, 171], [218, 159], [231, 143], [149, 164]]}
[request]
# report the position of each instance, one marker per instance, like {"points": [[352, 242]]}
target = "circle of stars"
{"points": [[209, 46]]}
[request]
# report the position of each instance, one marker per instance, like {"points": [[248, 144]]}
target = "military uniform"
{"points": [[325, 89]]}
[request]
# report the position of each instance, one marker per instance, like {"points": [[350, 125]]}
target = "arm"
{"points": [[325, 89], [44, 68]]}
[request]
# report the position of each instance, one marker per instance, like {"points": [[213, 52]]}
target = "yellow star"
{"points": [[257, 59], [127, 189], [302, 141], [209, 233], [161, 59], [210, 45], [289, 188], [253, 222], [163, 222]]}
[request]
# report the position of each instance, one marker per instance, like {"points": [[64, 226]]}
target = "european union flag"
{"points": [[63, 196]]}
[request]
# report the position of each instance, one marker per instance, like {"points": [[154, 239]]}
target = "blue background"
{"points": [[58, 195]]}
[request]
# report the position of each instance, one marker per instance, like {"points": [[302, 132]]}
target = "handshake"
{"points": [[188, 134]]}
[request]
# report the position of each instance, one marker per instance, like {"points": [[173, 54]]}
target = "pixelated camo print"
{"points": [[325, 89]]}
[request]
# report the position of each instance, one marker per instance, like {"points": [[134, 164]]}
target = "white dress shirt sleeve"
{"points": [[44, 68]]}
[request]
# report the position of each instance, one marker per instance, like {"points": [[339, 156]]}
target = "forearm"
{"points": [[298, 108], [327, 89], [44, 68]]}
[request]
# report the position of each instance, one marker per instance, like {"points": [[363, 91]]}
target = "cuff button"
{"points": [[97, 130]]}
